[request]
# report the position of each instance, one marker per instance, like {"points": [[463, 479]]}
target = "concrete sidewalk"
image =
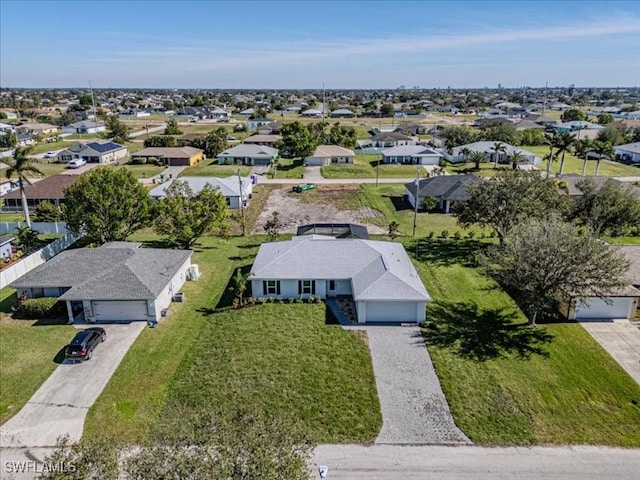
{"points": [[621, 339]]}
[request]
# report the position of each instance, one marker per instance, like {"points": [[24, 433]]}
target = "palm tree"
{"points": [[20, 166], [565, 142], [498, 148], [552, 139], [476, 157], [603, 150], [582, 149], [465, 153], [516, 157]]}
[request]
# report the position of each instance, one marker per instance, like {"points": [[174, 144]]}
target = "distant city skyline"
{"points": [[300, 44]]}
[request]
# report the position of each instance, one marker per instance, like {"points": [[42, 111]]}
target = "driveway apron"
{"points": [[414, 408], [60, 405]]}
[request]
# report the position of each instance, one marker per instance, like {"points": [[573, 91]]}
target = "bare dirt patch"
{"points": [[325, 204]]}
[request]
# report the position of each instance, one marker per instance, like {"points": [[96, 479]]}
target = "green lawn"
{"points": [[45, 147], [29, 352], [573, 164], [143, 171], [499, 388], [11, 217], [288, 168], [210, 168], [365, 166], [49, 168], [486, 169], [278, 357]]}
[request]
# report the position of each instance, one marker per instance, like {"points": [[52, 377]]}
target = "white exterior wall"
{"points": [[164, 299], [390, 311], [289, 288], [597, 308], [429, 160], [412, 199]]}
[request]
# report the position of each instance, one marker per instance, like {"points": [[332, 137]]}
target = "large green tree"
{"points": [[543, 260], [160, 141], [184, 216], [19, 169], [611, 208], [172, 127], [116, 130], [213, 143], [454, 136], [508, 199], [106, 204], [298, 140], [501, 132], [573, 115], [343, 136]]}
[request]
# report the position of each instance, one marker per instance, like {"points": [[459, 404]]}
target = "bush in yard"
{"points": [[47, 307], [444, 234]]}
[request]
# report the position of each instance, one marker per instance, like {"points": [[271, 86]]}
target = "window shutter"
{"points": [[264, 287], [278, 287], [313, 287], [299, 287]]}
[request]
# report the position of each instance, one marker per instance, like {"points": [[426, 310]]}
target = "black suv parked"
{"points": [[82, 345]]}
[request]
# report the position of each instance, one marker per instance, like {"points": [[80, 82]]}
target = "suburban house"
{"points": [[37, 128], [413, 154], [576, 125], [456, 155], [411, 129], [312, 113], [25, 139], [629, 152], [378, 276], [247, 154], [336, 230], [50, 189], [218, 114], [342, 113], [268, 140], [391, 139], [9, 113], [118, 281], [447, 189], [94, 152], [569, 184], [254, 123], [329, 154], [7, 128], [172, 156], [237, 190], [622, 304], [83, 127], [271, 128]]}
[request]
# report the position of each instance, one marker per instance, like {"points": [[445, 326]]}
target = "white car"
{"points": [[77, 163], [49, 154]]}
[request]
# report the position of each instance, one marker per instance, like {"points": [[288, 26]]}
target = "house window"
{"points": [[306, 287], [332, 285], [228, 201], [37, 292], [62, 290], [271, 287]]}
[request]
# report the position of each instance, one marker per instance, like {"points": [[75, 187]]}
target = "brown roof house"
{"points": [[50, 189], [172, 156]]}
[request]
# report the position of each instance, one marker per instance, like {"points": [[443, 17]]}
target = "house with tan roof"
{"points": [[49, 189], [330, 154]]}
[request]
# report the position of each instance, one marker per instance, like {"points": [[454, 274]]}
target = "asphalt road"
{"points": [[390, 462], [60, 405]]}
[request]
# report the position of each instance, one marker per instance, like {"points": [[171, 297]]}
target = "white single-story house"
{"points": [[342, 113], [233, 188], [312, 113], [447, 189], [413, 154], [622, 304], [255, 123], [328, 154], [456, 156], [248, 154], [118, 281], [391, 139], [84, 126], [576, 125], [629, 152], [379, 276], [94, 152]]}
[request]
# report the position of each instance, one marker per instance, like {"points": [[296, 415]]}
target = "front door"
{"points": [[331, 287]]}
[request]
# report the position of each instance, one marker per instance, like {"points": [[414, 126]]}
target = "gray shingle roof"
{"points": [[377, 270], [111, 272], [409, 151], [447, 187], [250, 150]]}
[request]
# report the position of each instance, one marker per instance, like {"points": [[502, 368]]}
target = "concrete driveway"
{"points": [[60, 405], [621, 339]]}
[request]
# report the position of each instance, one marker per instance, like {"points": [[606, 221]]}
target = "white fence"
{"points": [[18, 269], [9, 228]]}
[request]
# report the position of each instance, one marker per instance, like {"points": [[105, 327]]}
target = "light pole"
{"points": [[241, 203]]}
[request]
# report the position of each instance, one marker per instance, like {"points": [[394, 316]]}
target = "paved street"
{"points": [[60, 405], [391, 462], [621, 339]]}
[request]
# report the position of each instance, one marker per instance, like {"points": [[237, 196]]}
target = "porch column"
{"points": [[69, 311], [447, 206]]}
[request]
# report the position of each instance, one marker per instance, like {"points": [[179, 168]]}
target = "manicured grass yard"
{"points": [[11, 217], [45, 147], [47, 167], [210, 168], [288, 168], [143, 171], [365, 166], [278, 357], [572, 393], [573, 164], [486, 169], [28, 354]]}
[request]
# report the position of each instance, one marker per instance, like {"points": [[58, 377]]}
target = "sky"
{"points": [[305, 44]]}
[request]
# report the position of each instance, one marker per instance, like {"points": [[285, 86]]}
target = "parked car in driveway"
{"points": [[77, 163], [49, 154], [83, 344]]}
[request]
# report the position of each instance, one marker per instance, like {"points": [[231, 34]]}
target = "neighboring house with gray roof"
{"points": [[94, 152], [391, 139], [447, 189], [412, 154], [118, 281], [455, 155], [379, 276], [629, 152], [248, 154], [233, 188], [84, 126]]}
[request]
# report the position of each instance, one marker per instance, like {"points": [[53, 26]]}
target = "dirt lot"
{"points": [[318, 206]]}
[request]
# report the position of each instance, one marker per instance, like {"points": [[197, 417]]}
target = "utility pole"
{"points": [[242, 226], [378, 169], [415, 199], [324, 102], [544, 103], [93, 103]]}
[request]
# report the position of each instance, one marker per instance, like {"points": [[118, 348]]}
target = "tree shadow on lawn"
{"points": [[399, 202], [226, 300], [483, 334], [446, 252]]}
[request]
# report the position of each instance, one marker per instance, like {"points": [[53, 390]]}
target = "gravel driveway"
{"points": [[60, 405], [414, 408]]}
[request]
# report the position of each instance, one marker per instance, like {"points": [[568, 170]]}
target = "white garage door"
{"points": [[119, 310], [391, 312], [597, 308]]}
